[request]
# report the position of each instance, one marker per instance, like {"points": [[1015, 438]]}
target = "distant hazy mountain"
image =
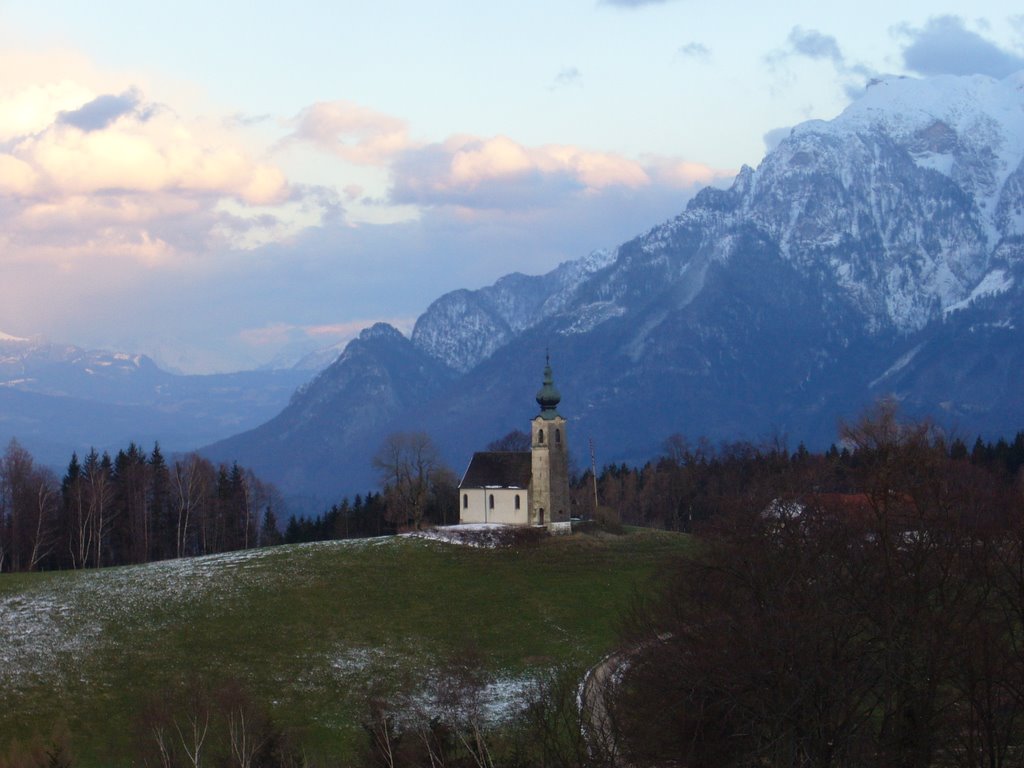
{"points": [[56, 398], [880, 253], [324, 439]]}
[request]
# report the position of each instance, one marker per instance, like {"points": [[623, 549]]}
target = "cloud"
{"points": [[569, 76], [944, 46], [118, 144], [90, 178], [353, 132], [499, 173], [817, 46], [695, 50], [476, 173], [274, 337], [103, 110], [33, 108]]}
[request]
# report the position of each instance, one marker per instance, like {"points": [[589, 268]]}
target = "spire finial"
{"points": [[548, 397]]}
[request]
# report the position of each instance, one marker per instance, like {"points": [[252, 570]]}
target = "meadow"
{"points": [[311, 630]]}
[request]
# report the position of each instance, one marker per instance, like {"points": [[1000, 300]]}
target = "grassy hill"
{"points": [[309, 629]]}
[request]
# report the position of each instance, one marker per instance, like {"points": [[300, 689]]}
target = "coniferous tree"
{"points": [[269, 534], [130, 480]]}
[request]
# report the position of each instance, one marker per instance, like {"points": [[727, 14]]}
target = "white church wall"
{"points": [[494, 505]]}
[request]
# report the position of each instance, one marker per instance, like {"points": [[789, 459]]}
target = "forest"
{"points": [[690, 484], [865, 607], [133, 508]]}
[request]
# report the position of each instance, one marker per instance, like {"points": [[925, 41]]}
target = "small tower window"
{"points": [[540, 436], [517, 501], [465, 501], [490, 501], [558, 436]]}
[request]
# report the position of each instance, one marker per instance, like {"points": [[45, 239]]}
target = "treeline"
{"points": [[416, 489], [358, 519], [132, 508], [691, 483], [375, 514], [867, 613]]}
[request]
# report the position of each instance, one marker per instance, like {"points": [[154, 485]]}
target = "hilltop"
{"points": [[311, 630]]}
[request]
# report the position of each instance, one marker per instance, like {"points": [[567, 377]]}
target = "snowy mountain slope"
{"points": [[464, 327]]}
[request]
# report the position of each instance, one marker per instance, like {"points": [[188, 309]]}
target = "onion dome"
{"points": [[548, 396]]}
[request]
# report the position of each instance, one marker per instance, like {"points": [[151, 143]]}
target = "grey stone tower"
{"points": [[549, 486]]}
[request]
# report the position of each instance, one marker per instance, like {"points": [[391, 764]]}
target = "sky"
{"points": [[221, 185]]}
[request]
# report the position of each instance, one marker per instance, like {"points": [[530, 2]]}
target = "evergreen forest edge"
{"points": [[138, 508]]}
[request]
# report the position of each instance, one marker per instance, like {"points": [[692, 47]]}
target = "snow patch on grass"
{"points": [[483, 535], [492, 703], [55, 621], [354, 661], [34, 639]]}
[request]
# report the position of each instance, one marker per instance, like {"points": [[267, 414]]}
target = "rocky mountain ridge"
{"points": [[464, 327]]}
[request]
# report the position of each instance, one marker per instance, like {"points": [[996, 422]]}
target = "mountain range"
{"points": [[59, 398], [879, 254]]}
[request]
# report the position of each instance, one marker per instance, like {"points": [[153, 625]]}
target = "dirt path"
{"points": [[596, 719]]}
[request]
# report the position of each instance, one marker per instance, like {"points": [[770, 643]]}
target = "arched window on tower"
{"points": [[540, 436], [558, 437], [490, 501], [517, 501], [465, 501]]}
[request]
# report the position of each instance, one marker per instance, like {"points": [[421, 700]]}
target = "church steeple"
{"points": [[548, 396], [549, 477]]}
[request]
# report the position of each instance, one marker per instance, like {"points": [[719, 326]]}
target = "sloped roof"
{"points": [[498, 469]]}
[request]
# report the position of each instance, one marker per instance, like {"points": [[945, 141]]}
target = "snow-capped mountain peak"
{"points": [[969, 129]]}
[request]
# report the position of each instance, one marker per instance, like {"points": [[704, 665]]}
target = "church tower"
{"points": [[549, 448]]}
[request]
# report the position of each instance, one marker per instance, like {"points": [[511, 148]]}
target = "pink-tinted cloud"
{"points": [[479, 172], [133, 154], [279, 334], [88, 176], [356, 133], [501, 173]]}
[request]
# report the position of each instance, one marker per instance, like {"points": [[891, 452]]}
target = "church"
{"points": [[522, 487]]}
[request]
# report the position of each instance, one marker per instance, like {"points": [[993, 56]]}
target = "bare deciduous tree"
{"points": [[409, 467], [190, 481], [28, 510]]}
